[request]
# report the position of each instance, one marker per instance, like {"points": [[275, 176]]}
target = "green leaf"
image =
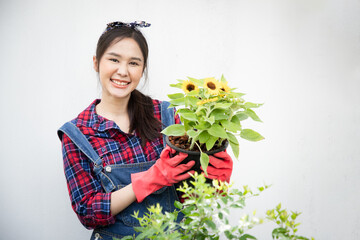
{"points": [[178, 204], [124, 238], [219, 114], [241, 116], [175, 95], [201, 111], [228, 234], [187, 124], [224, 199], [198, 82], [301, 238], [235, 148], [193, 93], [210, 120], [252, 105], [253, 115], [251, 135], [222, 79], [174, 130], [189, 116], [177, 85], [188, 210], [203, 125], [204, 161], [210, 142], [183, 110], [211, 224], [231, 137], [246, 236], [237, 95], [147, 232], [294, 216], [188, 221], [192, 133], [222, 105], [178, 101], [279, 233], [230, 126], [217, 131], [192, 101], [236, 120], [278, 207], [204, 136]]}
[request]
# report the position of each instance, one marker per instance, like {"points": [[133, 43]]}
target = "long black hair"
{"points": [[140, 106]]}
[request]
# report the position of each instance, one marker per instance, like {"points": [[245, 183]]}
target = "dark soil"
{"points": [[180, 141], [183, 143]]}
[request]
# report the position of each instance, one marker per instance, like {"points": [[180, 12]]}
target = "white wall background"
{"points": [[300, 57]]}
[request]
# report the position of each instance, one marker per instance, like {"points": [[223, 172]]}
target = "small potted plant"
{"points": [[211, 113]]}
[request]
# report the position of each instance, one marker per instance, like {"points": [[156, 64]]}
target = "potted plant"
{"points": [[211, 113]]}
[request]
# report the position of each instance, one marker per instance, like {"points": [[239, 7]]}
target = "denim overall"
{"points": [[115, 177]]}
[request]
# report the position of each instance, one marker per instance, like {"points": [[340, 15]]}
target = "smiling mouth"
{"points": [[120, 83]]}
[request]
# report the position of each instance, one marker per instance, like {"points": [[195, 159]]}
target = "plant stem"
{"points": [[198, 146], [220, 142]]}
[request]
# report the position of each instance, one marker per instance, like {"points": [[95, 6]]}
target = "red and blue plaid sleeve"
{"points": [[88, 200], [177, 118]]}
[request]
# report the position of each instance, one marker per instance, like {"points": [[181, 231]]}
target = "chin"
{"points": [[121, 96]]}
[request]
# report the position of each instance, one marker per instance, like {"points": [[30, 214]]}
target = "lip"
{"points": [[112, 80]]}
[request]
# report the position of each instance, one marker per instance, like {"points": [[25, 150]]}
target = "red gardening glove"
{"points": [[165, 172], [220, 167]]}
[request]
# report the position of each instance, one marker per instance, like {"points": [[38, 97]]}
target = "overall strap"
{"points": [[79, 139], [167, 117]]}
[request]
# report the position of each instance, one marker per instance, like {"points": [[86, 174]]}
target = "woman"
{"points": [[115, 161]]}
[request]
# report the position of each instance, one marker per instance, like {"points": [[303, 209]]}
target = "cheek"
{"points": [[105, 70], [137, 73], [102, 68]]}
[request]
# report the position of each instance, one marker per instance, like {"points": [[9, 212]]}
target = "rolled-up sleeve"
{"points": [[88, 199]]}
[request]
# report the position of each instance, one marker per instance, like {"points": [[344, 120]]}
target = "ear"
{"points": [[96, 65]]}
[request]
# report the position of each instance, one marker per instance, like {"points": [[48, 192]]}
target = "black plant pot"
{"points": [[195, 155]]}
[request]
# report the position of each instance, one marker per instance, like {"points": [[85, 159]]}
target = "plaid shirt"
{"points": [[89, 201]]}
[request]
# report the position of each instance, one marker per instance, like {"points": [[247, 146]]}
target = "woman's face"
{"points": [[120, 69]]}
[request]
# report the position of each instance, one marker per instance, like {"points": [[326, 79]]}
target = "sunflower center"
{"points": [[211, 85], [190, 87]]}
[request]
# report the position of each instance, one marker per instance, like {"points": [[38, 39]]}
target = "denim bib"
{"points": [[114, 177]]}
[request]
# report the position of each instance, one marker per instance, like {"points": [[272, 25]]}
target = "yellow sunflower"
{"points": [[224, 87], [189, 86], [212, 86]]}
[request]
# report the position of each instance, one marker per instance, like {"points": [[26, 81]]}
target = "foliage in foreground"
{"points": [[206, 212]]}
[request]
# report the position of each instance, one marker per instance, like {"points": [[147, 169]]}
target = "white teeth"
{"points": [[120, 83]]}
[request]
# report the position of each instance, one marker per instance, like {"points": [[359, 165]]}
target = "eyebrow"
{"points": [[119, 56]]}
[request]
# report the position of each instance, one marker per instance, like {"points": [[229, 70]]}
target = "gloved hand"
{"points": [[165, 172], [220, 167]]}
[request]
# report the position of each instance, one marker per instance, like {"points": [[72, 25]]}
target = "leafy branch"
{"points": [[206, 209]]}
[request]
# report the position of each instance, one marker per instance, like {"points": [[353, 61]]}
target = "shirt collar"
{"points": [[90, 118]]}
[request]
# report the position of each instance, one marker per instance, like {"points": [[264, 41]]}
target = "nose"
{"points": [[122, 70]]}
